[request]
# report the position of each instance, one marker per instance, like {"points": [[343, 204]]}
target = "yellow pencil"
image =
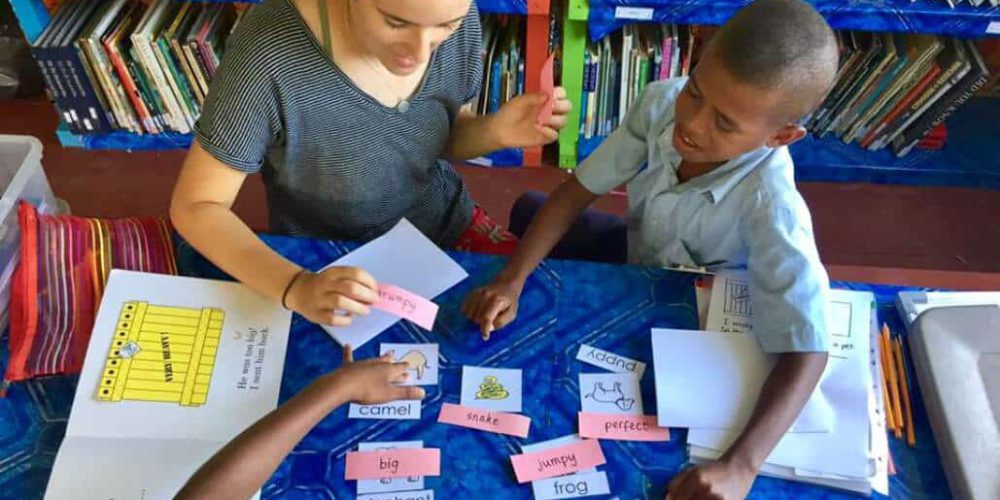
{"points": [[897, 412], [886, 382], [911, 436], [890, 423]]}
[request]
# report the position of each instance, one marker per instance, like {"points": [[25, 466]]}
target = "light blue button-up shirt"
{"points": [[744, 214]]}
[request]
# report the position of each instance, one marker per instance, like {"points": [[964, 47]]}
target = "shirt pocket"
{"points": [[676, 253]]}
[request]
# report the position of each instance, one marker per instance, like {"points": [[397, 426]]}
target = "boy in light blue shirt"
{"points": [[710, 184]]}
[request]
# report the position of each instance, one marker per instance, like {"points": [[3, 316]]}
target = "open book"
{"points": [[176, 367]]}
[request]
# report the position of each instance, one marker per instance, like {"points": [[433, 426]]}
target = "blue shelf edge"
{"points": [[123, 141], [31, 16], [502, 6], [126, 141], [502, 158], [969, 159], [929, 17]]}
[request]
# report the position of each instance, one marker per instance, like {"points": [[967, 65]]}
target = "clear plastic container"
{"points": [[21, 178]]}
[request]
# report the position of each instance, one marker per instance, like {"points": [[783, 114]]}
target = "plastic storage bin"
{"points": [[21, 178]]}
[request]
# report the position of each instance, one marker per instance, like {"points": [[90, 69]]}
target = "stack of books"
{"points": [[617, 69], [133, 66], [503, 62], [891, 91], [894, 89]]}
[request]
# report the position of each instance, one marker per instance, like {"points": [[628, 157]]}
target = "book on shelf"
{"points": [[128, 65], [503, 62], [941, 109], [890, 89]]}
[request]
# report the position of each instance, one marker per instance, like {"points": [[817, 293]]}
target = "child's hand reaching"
{"points": [[720, 480], [242, 466], [334, 296], [494, 306], [372, 381]]}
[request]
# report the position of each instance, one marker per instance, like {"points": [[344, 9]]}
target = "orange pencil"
{"points": [[911, 436], [889, 417], [886, 405], [897, 412]]}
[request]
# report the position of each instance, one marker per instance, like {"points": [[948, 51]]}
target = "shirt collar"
{"points": [[718, 183]]}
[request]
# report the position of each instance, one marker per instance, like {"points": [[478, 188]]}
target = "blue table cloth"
{"points": [[564, 304]]}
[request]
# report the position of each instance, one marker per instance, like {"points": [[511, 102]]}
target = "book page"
{"points": [[179, 358]]}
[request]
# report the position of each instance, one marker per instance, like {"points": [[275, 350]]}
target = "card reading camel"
{"points": [[610, 393], [422, 358], [494, 389]]}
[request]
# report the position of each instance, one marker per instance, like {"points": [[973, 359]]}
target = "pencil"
{"points": [[897, 412], [890, 418], [886, 405], [911, 437]]}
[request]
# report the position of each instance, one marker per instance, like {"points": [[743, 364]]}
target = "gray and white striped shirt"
{"points": [[338, 164]]}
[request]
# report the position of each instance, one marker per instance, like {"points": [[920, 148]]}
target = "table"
{"points": [[564, 304]]}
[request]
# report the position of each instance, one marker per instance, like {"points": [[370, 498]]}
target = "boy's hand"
{"points": [[516, 125], [494, 306], [718, 480], [334, 296], [373, 381]]}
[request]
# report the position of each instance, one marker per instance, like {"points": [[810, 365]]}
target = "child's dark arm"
{"points": [[241, 467], [785, 393], [495, 305]]}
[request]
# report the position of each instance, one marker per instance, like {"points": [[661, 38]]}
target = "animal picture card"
{"points": [[494, 389], [610, 393], [422, 358], [388, 484]]}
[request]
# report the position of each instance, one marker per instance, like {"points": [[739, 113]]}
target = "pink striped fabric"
{"points": [[65, 262]]}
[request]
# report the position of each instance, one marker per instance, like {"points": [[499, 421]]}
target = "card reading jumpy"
{"points": [[422, 358], [494, 389]]}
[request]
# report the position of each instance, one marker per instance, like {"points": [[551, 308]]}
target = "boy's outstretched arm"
{"points": [[243, 466], [784, 394], [495, 305]]}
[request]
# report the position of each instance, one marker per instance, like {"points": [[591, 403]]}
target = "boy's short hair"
{"points": [[780, 44]]}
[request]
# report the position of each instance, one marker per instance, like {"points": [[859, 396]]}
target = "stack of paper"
{"points": [[709, 382], [405, 258]]}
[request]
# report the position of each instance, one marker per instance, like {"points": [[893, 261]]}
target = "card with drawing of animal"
{"points": [[422, 358], [494, 389], [610, 393]]}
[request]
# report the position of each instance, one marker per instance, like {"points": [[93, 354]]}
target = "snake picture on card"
{"points": [[493, 389]]}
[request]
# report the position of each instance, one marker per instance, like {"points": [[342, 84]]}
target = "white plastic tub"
{"points": [[21, 178]]}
